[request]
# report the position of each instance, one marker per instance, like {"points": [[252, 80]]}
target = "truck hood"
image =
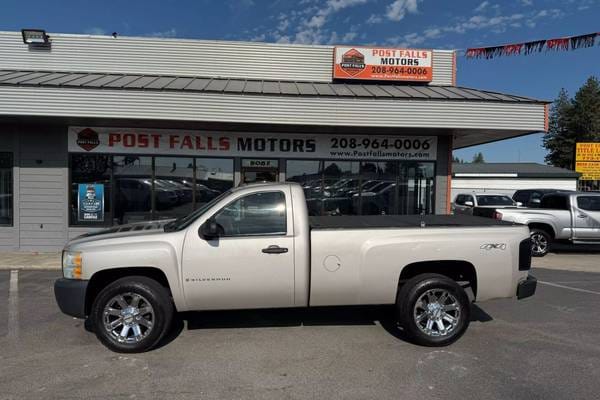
{"points": [[121, 231]]}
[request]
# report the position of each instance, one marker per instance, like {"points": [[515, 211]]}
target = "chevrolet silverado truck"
{"points": [[256, 247], [573, 217]]}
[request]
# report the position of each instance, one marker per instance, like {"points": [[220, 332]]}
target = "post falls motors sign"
{"points": [[383, 64], [236, 144]]}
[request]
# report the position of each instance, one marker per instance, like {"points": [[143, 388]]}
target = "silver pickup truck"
{"points": [[256, 247], [567, 216]]}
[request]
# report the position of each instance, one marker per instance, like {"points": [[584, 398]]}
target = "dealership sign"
{"points": [[587, 161], [383, 64], [256, 145]]}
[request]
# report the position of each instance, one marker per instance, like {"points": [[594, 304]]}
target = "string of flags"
{"points": [[536, 46]]}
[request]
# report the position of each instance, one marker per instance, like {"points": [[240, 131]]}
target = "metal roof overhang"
{"points": [[471, 116]]}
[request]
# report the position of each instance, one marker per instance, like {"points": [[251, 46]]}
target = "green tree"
{"points": [[478, 158], [457, 160], [571, 121]]}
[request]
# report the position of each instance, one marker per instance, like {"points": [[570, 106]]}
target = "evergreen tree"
{"points": [[478, 158], [571, 121]]}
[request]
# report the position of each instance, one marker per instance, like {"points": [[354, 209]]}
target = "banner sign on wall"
{"points": [[587, 161], [251, 145], [383, 64], [90, 202]]}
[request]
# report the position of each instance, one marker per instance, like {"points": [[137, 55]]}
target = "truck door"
{"points": [[251, 263], [586, 215]]}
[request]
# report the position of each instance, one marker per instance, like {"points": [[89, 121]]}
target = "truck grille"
{"points": [[525, 255]]}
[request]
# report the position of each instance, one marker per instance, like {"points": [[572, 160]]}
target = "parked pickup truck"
{"points": [[255, 247], [566, 216]]}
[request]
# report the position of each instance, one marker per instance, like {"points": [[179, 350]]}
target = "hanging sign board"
{"points": [[383, 64], [250, 145], [587, 161], [90, 202]]}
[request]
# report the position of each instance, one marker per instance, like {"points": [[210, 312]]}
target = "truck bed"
{"points": [[400, 221]]}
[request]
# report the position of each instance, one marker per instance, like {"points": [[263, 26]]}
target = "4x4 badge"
{"points": [[490, 246]]}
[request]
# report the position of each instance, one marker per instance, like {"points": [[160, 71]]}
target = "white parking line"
{"points": [[568, 287], [13, 305]]}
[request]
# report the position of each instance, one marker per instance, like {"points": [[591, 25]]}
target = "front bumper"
{"points": [[527, 287], [70, 296]]}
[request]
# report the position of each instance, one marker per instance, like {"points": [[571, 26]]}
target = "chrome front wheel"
{"points": [[132, 314], [128, 317]]}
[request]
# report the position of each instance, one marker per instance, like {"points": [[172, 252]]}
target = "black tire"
{"points": [[160, 316], [540, 242], [421, 285]]}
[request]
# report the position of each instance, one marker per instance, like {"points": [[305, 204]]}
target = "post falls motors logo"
{"points": [[87, 139], [353, 62]]}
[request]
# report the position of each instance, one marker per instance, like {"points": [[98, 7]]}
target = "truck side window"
{"points": [[589, 203], [460, 200], [555, 202], [252, 215]]}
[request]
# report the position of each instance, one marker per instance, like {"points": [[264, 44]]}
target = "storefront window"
{"points": [[6, 189], [133, 189], [213, 177], [416, 188], [364, 188], [378, 192], [173, 186], [138, 188], [92, 171]]}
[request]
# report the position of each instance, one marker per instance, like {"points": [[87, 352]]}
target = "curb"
{"points": [[29, 268]]}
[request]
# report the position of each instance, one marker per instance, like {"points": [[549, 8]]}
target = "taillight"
{"points": [[497, 215]]}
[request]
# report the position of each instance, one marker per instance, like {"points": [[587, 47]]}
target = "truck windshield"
{"points": [[184, 222], [493, 200]]}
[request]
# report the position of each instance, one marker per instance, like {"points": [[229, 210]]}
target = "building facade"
{"points": [[507, 178], [97, 131]]}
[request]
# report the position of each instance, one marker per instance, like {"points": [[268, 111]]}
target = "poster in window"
{"points": [[90, 202]]}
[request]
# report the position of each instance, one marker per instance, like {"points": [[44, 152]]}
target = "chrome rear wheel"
{"points": [[436, 313]]}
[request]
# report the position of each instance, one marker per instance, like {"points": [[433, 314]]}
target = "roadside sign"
{"points": [[587, 161]]}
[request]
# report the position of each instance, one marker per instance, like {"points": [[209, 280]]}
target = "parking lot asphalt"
{"points": [[544, 347]]}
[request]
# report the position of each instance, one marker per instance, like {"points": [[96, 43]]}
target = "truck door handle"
{"points": [[274, 249], [581, 215]]}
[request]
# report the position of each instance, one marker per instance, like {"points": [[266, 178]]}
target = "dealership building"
{"points": [[97, 131]]}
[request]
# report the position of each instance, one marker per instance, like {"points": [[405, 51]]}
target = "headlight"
{"points": [[71, 264]]}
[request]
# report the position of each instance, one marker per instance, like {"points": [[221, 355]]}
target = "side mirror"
{"points": [[519, 204], [209, 229], [469, 203]]}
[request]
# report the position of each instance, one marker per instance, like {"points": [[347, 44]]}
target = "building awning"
{"points": [[250, 87], [510, 170], [471, 116]]}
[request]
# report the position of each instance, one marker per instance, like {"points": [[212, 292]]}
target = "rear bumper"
{"points": [[70, 296], [527, 287]]}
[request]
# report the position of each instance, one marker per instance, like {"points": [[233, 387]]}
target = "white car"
{"points": [[465, 203]]}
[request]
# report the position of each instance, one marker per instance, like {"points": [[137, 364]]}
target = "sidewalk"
{"points": [[29, 260]]}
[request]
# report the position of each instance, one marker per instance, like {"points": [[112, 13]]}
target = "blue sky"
{"points": [[412, 23]]}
